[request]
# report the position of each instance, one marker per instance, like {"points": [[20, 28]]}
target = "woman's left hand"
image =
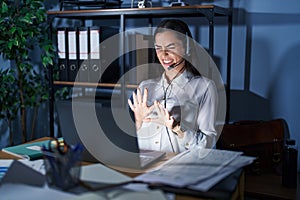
{"points": [[163, 116]]}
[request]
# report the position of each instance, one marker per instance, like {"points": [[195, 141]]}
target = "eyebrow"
{"points": [[169, 45]]}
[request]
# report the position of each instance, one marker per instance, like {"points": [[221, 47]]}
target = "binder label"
{"points": [[94, 44], [72, 45], [83, 45], [61, 40]]}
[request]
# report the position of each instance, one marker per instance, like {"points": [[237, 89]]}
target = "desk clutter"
{"points": [[62, 164], [199, 172]]}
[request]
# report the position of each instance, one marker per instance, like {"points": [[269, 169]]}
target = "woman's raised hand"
{"points": [[139, 106]]}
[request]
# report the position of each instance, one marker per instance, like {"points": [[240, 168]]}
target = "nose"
{"points": [[165, 51]]}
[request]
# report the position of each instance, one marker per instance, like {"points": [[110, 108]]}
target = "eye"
{"points": [[157, 48], [171, 48]]}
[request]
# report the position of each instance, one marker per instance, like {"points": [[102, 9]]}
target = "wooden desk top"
{"points": [[4, 155], [269, 186]]}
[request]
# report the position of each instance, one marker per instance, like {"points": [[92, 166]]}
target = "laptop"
{"points": [[107, 133]]}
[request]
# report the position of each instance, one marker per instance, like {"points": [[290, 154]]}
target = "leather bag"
{"points": [[261, 139]]}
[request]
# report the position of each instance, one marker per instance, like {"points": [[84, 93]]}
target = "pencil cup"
{"points": [[63, 168]]}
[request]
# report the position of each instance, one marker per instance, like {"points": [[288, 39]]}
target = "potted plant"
{"points": [[23, 34]]}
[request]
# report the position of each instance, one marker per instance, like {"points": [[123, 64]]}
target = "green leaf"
{"points": [[47, 61], [28, 18], [13, 30], [10, 44], [4, 7]]}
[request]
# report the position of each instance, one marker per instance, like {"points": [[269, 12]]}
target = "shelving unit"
{"points": [[207, 11]]}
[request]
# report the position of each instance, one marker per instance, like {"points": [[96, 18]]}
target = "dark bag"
{"points": [[261, 139]]}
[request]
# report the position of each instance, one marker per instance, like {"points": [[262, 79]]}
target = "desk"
{"points": [[268, 186], [231, 187]]}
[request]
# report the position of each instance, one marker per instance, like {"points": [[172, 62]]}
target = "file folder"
{"points": [[83, 61], [110, 54], [72, 52], [94, 58], [62, 54]]}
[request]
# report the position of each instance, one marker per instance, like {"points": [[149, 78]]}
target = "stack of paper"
{"points": [[197, 169]]}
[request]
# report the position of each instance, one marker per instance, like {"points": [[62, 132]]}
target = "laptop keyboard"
{"points": [[149, 156], [145, 158]]}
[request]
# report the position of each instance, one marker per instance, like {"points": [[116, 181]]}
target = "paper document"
{"points": [[20, 191], [4, 165], [121, 195], [101, 174], [191, 167], [37, 165], [197, 169], [239, 162]]}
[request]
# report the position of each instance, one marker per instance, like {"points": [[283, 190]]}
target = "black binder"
{"points": [[72, 54], [83, 54], [94, 55], [62, 54], [110, 54]]}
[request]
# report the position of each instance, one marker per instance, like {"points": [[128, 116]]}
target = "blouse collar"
{"points": [[180, 80]]}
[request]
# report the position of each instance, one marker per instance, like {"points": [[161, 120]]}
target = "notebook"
{"points": [[107, 134], [30, 151]]}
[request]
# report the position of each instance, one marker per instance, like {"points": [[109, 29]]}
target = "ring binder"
{"points": [[83, 54], [62, 54], [110, 54], [72, 58], [94, 58]]}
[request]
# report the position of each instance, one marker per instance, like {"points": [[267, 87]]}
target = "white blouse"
{"points": [[192, 100]]}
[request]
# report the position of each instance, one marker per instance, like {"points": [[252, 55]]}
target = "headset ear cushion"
{"points": [[187, 50]]}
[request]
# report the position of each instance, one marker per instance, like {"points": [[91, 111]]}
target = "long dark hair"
{"points": [[183, 33]]}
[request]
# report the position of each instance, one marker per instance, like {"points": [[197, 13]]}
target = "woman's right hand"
{"points": [[139, 107]]}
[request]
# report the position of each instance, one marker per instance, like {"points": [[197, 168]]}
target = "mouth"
{"points": [[167, 62]]}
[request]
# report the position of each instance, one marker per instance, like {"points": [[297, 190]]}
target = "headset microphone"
{"points": [[175, 64]]}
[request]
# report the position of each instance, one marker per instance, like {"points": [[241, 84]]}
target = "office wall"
{"points": [[265, 65]]}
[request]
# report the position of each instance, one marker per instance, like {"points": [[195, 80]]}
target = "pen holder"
{"points": [[63, 168]]}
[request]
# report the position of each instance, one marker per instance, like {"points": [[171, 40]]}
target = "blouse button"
{"points": [[157, 127], [187, 145], [156, 142]]}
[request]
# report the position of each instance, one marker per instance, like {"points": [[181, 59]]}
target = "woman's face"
{"points": [[169, 49]]}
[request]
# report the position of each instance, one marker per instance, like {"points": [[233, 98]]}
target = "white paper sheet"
{"points": [[37, 165], [205, 185], [102, 174], [20, 191], [121, 195], [190, 168]]}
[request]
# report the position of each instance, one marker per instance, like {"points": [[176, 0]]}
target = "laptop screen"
{"points": [[107, 133]]}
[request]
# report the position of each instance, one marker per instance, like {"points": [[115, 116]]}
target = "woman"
{"points": [[177, 111]]}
